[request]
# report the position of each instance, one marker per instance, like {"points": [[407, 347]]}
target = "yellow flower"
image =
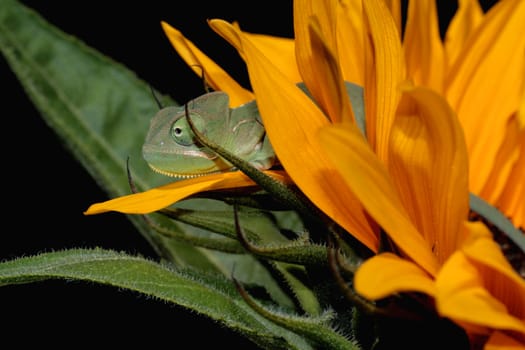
{"points": [[484, 82], [434, 110], [411, 174]]}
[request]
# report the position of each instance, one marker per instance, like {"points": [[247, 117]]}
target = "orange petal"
{"points": [[382, 81], [506, 157], [281, 51], [215, 76], [395, 8], [386, 274], [367, 177], [351, 47], [502, 341], [511, 200], [425, 56], [486, 84], [316, 57], [324, 12], [477, 286], [291, 120], [163, 196], [465, 20], [332, 96], [499, 277], [429, 165]]}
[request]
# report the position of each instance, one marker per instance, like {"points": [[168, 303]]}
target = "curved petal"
{"points": [[464, 299], [324, 12], [281, 51], [429, 165], [351, 41], [316, 44], [332, 96], [499, 278], [386, 274], [367, 177], [163, 196], [465, 20], [511, 200], [291, 120], [502, 341], [395, 8], [486, 84], [424, 52], [477, 286], [215, 76], [382, 80], [506, 157]]}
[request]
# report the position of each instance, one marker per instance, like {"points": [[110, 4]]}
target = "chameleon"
{"points": [[171, 148]]}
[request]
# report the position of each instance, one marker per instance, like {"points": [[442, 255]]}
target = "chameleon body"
{"points": [[171, 148]]}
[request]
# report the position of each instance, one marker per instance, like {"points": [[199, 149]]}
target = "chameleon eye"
{"points": [[181, 132], [177, 131]]}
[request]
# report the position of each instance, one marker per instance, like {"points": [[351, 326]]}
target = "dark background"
{"points": [[46, 189]]}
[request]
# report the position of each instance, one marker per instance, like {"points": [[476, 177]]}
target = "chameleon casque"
{"points": [[171, 148]]}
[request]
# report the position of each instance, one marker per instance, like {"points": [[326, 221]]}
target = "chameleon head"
{"points": [[171, 147]]}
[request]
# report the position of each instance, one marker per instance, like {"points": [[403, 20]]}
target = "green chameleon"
{"points": [[171, 148]]}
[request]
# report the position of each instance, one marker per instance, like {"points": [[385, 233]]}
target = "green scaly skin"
{"points": [[171, 148]]}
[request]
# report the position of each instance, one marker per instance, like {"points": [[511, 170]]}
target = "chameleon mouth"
{"points": [[182, 175]]}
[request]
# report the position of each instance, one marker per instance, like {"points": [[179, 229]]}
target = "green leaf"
{"points": [[99, 109], [212, 296]]}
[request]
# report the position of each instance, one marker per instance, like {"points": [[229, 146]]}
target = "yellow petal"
{"points": [[477, 286], [369, 180], [382, 81], [351, 31], [498, 276], [163, 196], [429, 165], [386, 274], [506, 157], [486, 84], [316, 57], [395, 8], [464, 299], [324, 12], [502, 341], [291, 120], [330, 89], [281, 51], [511, 200], [425, 56], [465, 20], [215, 76]]}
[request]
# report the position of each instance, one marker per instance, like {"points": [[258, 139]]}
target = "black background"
{"points": [[45, 190]]}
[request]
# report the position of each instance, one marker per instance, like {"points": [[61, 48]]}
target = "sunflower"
{"points": [[443, 118]]}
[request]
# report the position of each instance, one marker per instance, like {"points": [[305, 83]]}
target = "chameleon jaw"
{"points": [[183, 176]]}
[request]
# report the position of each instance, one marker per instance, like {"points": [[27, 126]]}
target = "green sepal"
{"points": [[341, 267], [493, 216], [254, 199], [302, 294], [299, 251], [254, 222], [215, 242], [316, 329]]}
